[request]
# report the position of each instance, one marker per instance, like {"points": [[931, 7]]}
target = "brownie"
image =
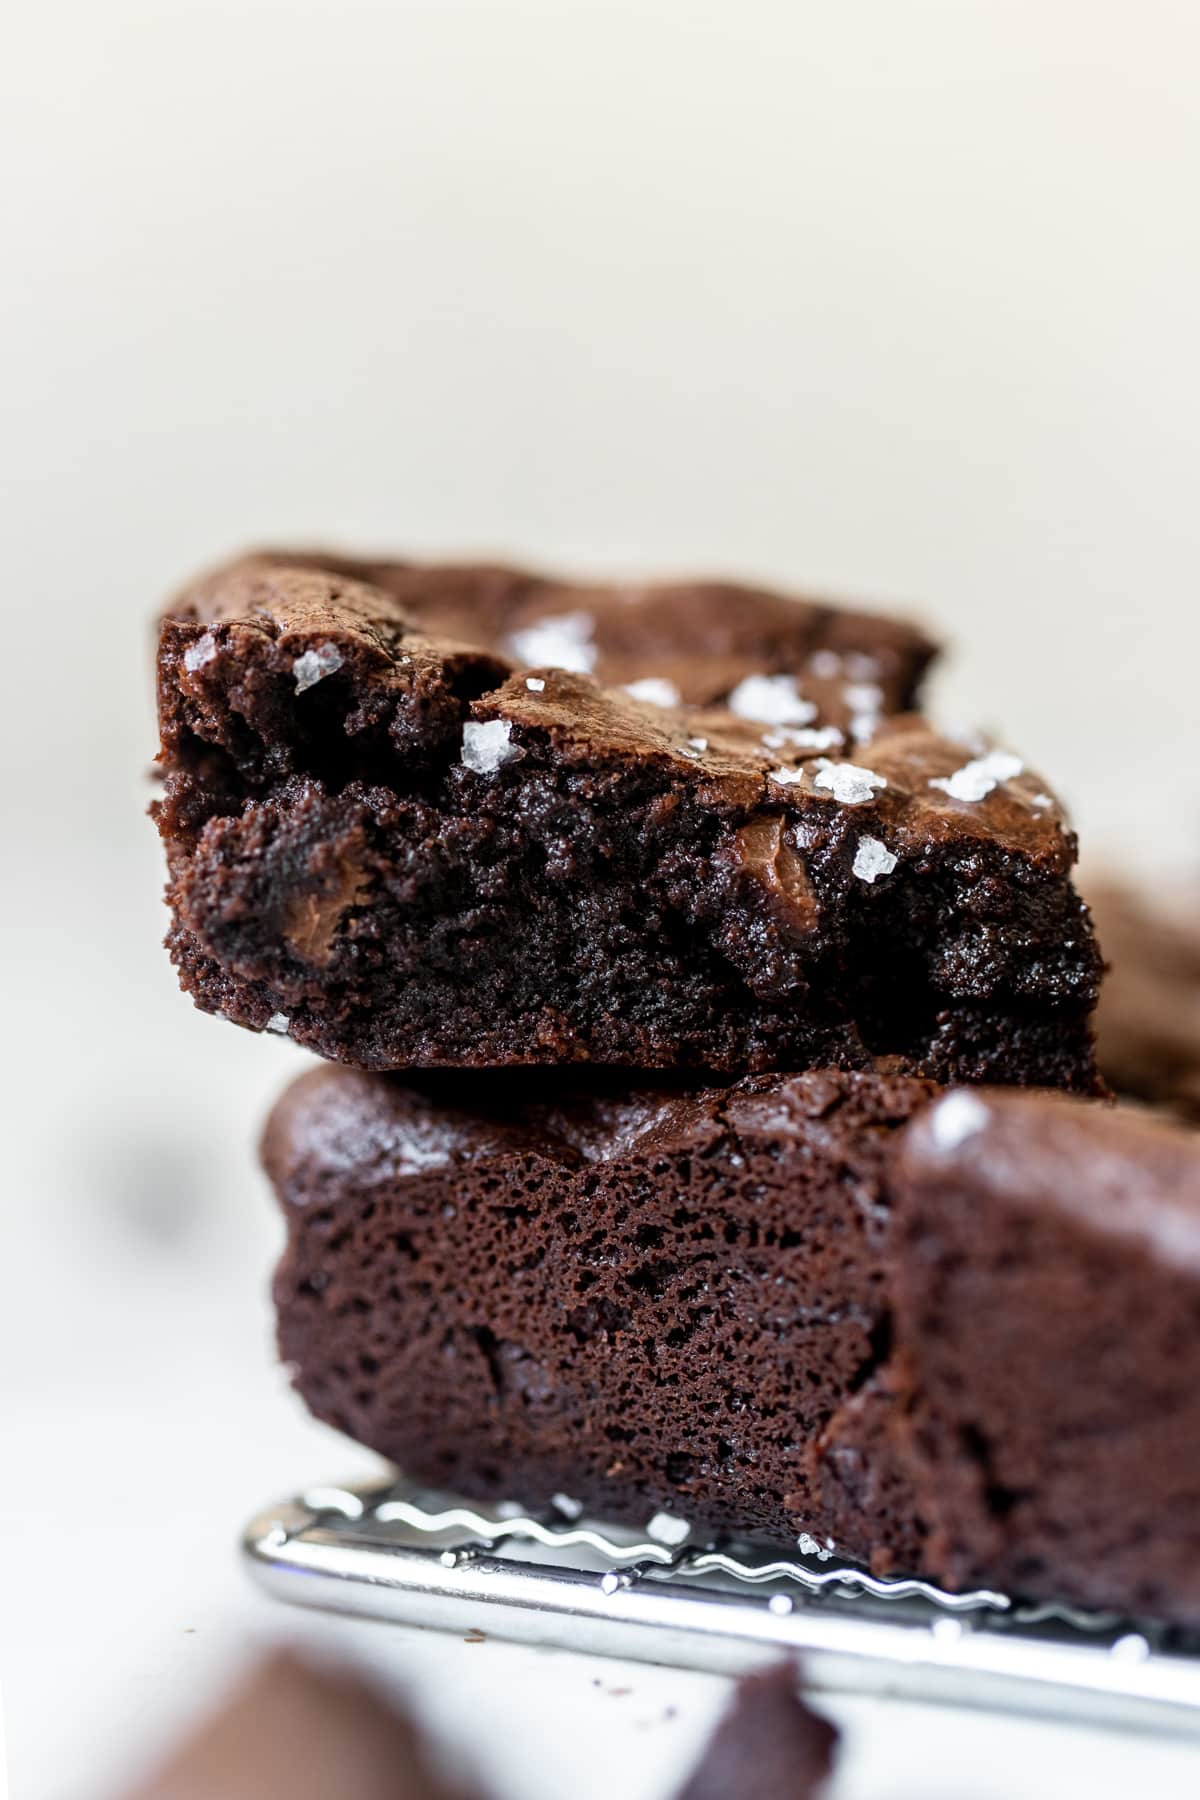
{"points": [[294, 1730], [768, 1746], [1148, 1021], [407, 852], [1047, 1283], [652, 1301]]}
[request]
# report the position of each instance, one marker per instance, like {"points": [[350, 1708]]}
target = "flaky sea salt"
{"points": [[976, 779], [656, 690], [808, 737], [199, 653], [487, 745], [698, 743], [825, 663], [535, 684], [564, 642], [863, 697], [872, 859], [959, 1116], [314, 665], [568, 1507], [279, 1022], [849, 785], [665, 1529], [785, 777], [774, 699]]}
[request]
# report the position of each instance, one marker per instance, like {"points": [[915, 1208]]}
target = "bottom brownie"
{"points": [[955, 1333], [649, 1302]]}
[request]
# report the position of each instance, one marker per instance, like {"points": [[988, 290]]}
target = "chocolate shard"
{"points": [[768, 1746], [296, 1730]]}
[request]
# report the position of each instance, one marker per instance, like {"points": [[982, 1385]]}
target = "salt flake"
{"points": [[873, 859], [825, 663], [279, 1022], [959, 1116], [849, 785], [199, 653], [785, 777], [774, 699], [314, 665], [976, 779], [487, 745], [656, 690], [561, 643], [665, 1529], [818, 737], [535, 684]]}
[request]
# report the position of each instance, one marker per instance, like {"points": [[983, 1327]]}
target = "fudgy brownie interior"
{"points": [[646, 1300]]}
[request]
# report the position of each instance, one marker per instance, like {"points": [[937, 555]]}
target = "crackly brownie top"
{"points": [[373, 1128], [243, 650], [692, 641], [1119, 1172]]}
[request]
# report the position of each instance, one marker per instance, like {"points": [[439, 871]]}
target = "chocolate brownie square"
{"points": [[1148, 1020], [651, 1300], [1046, 1273], [411, 850]]}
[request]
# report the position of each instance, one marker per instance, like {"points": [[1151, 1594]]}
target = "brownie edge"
{"points": [[1047, 1283]]}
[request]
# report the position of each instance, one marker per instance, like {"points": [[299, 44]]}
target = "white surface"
{"points": [[895, 299]]}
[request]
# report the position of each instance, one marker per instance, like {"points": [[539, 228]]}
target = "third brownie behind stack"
{"points": [[646, 919]]}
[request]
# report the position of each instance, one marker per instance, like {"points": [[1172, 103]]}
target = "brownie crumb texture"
{"points": [[658, 1304]]}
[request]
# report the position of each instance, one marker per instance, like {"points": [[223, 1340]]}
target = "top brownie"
{"points": [[399, 829]]}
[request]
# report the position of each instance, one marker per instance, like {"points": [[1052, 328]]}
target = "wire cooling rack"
{"points": [[398, 1552]]}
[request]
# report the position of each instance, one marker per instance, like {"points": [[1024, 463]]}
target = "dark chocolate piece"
{"points": [[297, 1731], [768, 1746], [1047, 1279], [1148, 1020], [651, 1301], [407, 855]]}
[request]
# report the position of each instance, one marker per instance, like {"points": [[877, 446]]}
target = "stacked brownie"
{"points": [[651, 924]]}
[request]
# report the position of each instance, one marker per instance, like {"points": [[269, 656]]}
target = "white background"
{"points": [[893, 298]]}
